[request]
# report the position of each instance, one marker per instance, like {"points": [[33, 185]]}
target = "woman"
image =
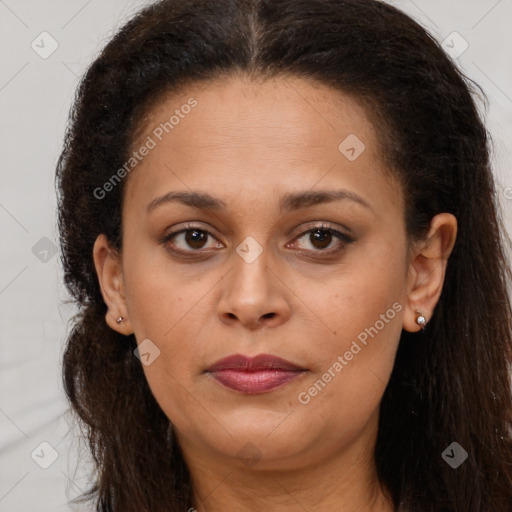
{"points": [[279, 222]]}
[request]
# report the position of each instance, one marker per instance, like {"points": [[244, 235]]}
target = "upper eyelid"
{"points": [[313, 225]]}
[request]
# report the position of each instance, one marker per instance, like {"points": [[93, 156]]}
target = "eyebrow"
{"points": [[290, 202]]}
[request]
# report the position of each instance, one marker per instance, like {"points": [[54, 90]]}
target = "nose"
{"points": [[253, 295]]}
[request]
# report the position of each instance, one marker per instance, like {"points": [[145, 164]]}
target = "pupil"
{"points": [[193, 241], [324, 239]]}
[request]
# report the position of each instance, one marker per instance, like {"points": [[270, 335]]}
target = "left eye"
{"points": [[320, 238]]}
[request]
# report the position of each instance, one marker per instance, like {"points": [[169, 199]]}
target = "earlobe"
{"points": [[108, 269], [427, 271]]}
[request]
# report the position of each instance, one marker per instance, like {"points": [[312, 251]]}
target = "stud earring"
{"points": [[421, 320], [120, 319]]}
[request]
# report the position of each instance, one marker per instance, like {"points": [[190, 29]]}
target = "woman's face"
{"points": [[268, 164]]}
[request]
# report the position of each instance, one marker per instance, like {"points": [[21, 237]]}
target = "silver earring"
{"points": [[421, 320], [120, 319]]}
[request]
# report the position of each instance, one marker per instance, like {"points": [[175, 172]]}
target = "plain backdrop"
{"points": [[38, 452]]}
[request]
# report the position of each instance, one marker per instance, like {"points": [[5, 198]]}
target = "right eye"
{"points": [[188, 240]]}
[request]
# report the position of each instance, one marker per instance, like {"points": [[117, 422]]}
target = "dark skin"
{"points": [[248, 145]]}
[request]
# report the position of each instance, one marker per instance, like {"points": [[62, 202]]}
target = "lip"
{"points": [[254, 375], [253, 364]]}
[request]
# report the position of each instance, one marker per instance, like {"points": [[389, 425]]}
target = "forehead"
{"points": [[275, 111], [235, 133]]}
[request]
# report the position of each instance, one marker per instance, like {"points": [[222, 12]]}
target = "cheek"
{"points": [[164, 306], [363, 311], [357, 362], [368, 293], [158, 293]]}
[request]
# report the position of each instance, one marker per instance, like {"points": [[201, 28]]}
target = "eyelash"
{"points": [[342, 237]]}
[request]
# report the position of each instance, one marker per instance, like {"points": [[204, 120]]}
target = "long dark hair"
{"points": [[449, 384]]}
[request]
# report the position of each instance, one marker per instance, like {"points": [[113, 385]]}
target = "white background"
{"points": [[35, 97]]}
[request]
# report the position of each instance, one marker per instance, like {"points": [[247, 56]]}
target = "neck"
{"points": [[290, 492], [343, 482]]}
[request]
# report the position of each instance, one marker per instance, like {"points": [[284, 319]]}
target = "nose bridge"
{"points": [[250, 276]]}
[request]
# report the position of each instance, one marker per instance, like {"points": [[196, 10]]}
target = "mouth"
{"points": [[254, 375]]}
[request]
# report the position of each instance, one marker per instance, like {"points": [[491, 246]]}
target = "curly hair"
{"points": [[449, 383]]}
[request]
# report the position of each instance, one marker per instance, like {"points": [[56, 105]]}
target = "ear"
{"points": [[107, 262], [427, 269]]}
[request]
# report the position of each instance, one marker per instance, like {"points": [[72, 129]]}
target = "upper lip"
{"points": [[257, 363]]}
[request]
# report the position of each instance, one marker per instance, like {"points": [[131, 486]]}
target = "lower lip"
{"points": [[252, 383]]}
